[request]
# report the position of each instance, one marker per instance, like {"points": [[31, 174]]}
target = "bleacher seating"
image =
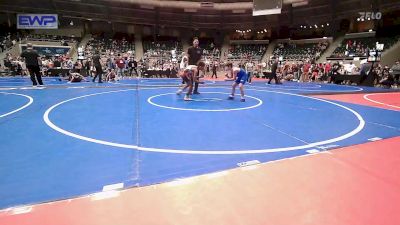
{"points": [[162, 47], [247, 51], [117, 45], [9, 37], [52, 38], [304, 51], [358, 47], [210, 50], [159, 53], [5, 43]]}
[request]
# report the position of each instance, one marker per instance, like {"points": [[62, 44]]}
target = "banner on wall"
{"points": [[262, 7], [49, 50], [37, 21]]}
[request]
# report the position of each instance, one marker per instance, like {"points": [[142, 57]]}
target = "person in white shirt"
{"points": [[350, 68], [249, 69], [23, 67], [184, 63]]}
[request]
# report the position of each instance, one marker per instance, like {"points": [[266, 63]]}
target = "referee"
{"points": [[194, 53], [99, 67], [274, 68], [32, 63]]}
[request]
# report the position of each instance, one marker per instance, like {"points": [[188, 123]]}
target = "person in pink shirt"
{"points": [[120, 62], [327, 68]]}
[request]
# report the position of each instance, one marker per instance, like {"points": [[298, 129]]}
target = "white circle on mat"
{"points": [[378, 102], [150, 100], [356, 130], [20, 108]]}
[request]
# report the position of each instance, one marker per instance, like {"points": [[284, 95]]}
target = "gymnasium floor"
{"points": [[70, 152]]}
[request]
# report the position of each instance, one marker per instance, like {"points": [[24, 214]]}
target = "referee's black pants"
{"points": [[36, 77], [214, 73], [196, 86], [273, 77], [99, 73]]}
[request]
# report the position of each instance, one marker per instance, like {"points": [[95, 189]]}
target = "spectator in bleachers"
{"points": [[327, 68], [365, 68], [395, 70], [350, 68], [335, 70], [123, 46], [246, 51], [120, 65], [64, 40], [110, 62], [68, 64], [306, 51], [210, 50], [359, 47], [159, 53], [249, 69], [386, 78]]}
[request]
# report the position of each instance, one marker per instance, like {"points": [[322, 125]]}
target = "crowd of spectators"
{"points": [[16, 64], [211, 51], [253, 52], [110, 46], [307, 71], [306, 51], [8, 40], [162, 54], [116, 55], [296, 61], [66, 67], [359, 47]]}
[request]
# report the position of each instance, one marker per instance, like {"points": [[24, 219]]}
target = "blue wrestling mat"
{"points": [[70, 139]]}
